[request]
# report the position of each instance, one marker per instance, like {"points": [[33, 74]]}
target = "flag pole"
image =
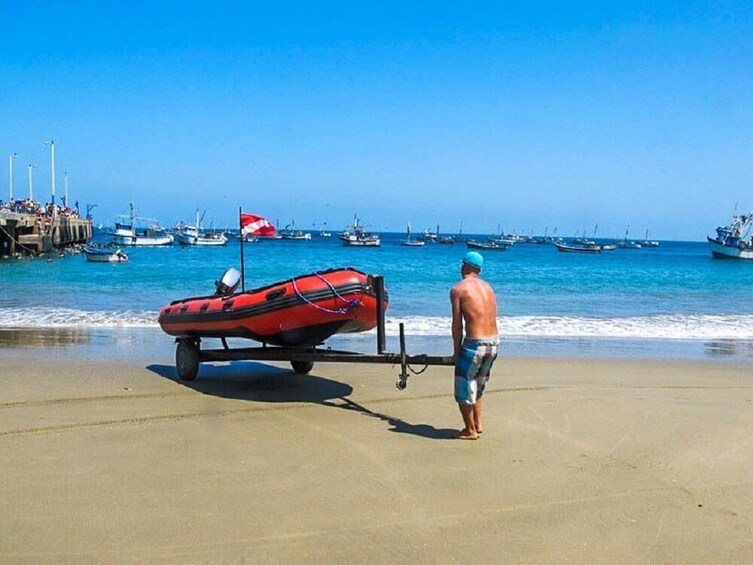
{"points": [[243, 265]]}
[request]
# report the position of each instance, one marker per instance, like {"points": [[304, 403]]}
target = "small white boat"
{"points": [[430, 236], [626, 243], [735, 240], [292, 233], [98, 255], [193, 235], [411, 242], [649, 243]]}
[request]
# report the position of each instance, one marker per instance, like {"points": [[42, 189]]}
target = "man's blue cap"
{"points": [[474, 259]]}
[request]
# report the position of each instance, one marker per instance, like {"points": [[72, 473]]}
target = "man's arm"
{"points": [[457, 322]]}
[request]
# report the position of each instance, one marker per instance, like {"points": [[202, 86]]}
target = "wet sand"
{"points": [[597, 461]]}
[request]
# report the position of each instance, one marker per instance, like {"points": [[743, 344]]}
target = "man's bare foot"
{"points": [[465, 434], [479, 430]]}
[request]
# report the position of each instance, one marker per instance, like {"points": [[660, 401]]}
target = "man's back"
{"points": [[478, 306]]}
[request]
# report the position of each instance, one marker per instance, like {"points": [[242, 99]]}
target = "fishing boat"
{"points": [[304, 310], [505, 240], [357, 236], [446, 239], [565, 248], [290, 232], [126, 233], [101, 255], [411, 242], [649, 243], [324, 231], [488, 246], [546, 239], [430, 236], [584, 240], [626, 243], [735, 240], [501, 238], [193, 235]]}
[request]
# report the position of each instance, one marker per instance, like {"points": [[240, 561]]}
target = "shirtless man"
{"points": [[475, 307]]}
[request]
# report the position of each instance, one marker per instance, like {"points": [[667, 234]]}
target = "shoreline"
{"points": [[124, 344], [582, 460]]}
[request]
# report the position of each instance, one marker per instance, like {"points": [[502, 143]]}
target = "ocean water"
{"points": [[661, 301]]}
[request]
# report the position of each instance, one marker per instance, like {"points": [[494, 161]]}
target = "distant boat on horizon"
{"points": [[488, 246], [648, 243], [565, 248], [411, 242]]}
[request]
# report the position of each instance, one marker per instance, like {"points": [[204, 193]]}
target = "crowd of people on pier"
{"points": [[35, 208]]}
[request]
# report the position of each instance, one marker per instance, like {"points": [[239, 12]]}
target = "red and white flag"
{"points": [[252, 224]]}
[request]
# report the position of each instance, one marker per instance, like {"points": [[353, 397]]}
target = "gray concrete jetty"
{"points": [[31, 234]]}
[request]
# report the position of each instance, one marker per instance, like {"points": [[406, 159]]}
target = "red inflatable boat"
{"points": [[305, 310]]}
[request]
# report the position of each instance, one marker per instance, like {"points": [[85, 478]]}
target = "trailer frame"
{"points": [[189, 354]]}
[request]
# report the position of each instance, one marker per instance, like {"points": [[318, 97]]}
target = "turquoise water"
{"points": [[674, 293]]}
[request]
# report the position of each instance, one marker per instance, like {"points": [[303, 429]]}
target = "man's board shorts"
{"points": [[473, 367]]}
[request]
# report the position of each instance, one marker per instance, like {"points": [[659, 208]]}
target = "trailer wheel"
{"points": [[302, 367], [187, 359]]}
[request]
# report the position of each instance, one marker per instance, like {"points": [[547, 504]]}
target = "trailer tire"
{"points": [[187, 359], [302, 367]]}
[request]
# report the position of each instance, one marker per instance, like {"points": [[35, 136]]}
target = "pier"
{"points": [[34, 234]]}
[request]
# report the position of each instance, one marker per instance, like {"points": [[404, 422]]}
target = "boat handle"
{"points": [[275, 294]]}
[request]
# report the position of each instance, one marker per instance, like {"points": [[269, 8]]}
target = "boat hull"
{"points": [[142, 241], [103, 256], [361, 242], [298, 312], [206, 241], [721, 251], [575, 249], [486, 246]]}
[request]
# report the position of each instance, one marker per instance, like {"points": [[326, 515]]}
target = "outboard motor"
{"points": [[228, 283]]}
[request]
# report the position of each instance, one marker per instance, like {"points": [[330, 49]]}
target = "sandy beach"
{"points": [[582, 461]]}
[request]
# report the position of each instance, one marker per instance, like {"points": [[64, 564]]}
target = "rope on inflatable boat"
{"points": [[349, 304]]}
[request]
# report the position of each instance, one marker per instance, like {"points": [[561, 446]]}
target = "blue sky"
{"points": [[519, 114]]}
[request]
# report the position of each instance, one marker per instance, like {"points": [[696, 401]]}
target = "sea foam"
{"points": [[664, 326]]}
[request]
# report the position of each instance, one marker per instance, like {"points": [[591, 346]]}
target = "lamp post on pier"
{"points": [[51, 143], [31, 182], [65, 183], [10, 175]]}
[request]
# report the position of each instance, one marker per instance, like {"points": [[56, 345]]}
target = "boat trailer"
{"points": [[188, 353]]}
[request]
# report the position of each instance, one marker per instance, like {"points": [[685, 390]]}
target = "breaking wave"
{"points": [[664, 326]]}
